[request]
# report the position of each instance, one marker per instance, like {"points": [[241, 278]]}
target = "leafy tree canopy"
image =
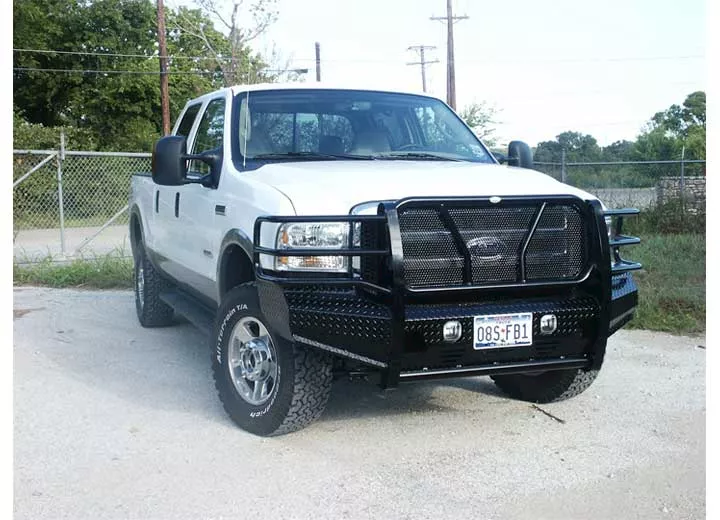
{"points": [[662, 139], [121, 111]]}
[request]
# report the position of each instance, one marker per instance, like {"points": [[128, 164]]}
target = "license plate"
{"points": [[503, 330]]}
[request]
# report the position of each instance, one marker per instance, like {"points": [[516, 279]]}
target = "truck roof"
{"points": [[236, 89]]}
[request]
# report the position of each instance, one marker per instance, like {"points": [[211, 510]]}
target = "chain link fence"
{"points": [[671, 194], [71, 203], [74, 203]]}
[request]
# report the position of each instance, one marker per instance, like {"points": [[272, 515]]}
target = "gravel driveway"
{"points": [[115, 421]]}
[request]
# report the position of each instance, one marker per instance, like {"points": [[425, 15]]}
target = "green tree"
{"points": [[618, 151], [235, 62], [120, 110], [481, 118], [668, 131], [578, 147]]}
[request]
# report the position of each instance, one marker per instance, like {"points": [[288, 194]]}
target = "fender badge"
{"points": [[495, 200]]}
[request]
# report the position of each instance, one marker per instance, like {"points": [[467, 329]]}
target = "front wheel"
{"points": [[547, 387], [267, 384]]}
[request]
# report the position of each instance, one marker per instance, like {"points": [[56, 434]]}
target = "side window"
{"points": [[187, 120], [209, 135]]}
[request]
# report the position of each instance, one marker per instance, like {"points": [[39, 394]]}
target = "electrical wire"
{"points": [[351, 60], [108, 71]]}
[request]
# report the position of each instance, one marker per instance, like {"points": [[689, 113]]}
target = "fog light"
{"points": [[548, 324], [452, 331]]}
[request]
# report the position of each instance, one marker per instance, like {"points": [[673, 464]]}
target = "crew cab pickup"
{"points": [[315, 232]]}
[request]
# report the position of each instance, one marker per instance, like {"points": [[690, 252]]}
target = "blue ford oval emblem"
{"points": [[486, 248]]}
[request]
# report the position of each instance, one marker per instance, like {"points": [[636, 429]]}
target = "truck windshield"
{"points": [[350, 124]]}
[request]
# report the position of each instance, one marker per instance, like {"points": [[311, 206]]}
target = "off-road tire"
{"points": [[552, 386], [151, 310], [304, 375]]}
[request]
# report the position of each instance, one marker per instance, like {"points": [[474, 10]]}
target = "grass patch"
{"points": [[102, 272], [672, 283]]}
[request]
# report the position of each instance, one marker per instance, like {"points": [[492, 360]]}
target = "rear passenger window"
{"points": [[187, 120]]}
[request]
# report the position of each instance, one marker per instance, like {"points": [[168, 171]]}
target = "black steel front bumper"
{"points": [[398, 330]]}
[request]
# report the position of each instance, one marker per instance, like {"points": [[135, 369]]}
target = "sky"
{"points": [[602, 68]]}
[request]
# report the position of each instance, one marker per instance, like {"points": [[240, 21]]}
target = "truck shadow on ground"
{"points": [[350, 400], [169, 369]]}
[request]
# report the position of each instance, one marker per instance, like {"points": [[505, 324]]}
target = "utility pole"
{"points": [[421, 49], [317, 61], [164, 88], [450, 51]]}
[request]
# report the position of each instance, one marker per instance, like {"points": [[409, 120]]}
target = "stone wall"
{"points": [[673, 188]]}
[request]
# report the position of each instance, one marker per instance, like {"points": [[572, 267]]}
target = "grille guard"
{"points": [[619, 265], [388, 214], [603, 262]]}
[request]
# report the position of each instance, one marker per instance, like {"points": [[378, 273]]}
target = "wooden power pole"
{"points": [[164, 88], [423, 62], [317, 61], [450, 51]]}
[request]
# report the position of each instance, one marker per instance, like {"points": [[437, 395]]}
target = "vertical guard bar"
{"points": [[528, 238], [391, 375], [444, 215], [599, 241]]}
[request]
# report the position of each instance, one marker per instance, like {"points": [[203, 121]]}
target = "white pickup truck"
{"points": [[316, 232]]}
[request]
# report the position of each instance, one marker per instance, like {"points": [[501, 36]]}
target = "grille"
{"points": [[482, 245]]}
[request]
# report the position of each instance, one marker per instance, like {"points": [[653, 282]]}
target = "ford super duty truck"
{"points": [[316, 232]]}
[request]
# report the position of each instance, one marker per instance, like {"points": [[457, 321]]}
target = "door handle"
{"points": [[177, 205]]}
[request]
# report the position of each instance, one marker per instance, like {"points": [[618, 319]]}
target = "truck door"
{"points": [[163, 203], [196, 233]]}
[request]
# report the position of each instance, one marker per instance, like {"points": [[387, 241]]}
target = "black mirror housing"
{"points": [[500, 157], [169, 167], [519, 154]]}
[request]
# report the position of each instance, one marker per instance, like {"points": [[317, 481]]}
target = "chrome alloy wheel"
{"points": [[252, 361]]}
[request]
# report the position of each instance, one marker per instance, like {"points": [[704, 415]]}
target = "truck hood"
{"points": [[334, 187]]}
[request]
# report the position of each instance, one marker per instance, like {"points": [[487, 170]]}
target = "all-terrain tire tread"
{"points": [[155, 312], [313, 381], [566, 384], [311, 386]]}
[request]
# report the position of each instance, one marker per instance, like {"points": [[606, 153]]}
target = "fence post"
{"points": [[682, 181], [563, 171], [61, 206]]}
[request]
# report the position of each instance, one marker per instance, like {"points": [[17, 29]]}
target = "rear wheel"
{"points": [[267, 384], [151, 310], [547, 387]]}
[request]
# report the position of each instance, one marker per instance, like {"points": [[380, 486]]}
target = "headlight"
{"points": [[313, 235]]}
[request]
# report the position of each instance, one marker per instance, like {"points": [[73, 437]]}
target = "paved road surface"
{"points": [[113, 421]]}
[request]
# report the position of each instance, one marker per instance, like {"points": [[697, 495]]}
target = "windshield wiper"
{"points": [[423, 156], [311, 156]]}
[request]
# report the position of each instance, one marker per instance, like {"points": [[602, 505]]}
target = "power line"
{"points": [[142, 72], [369, 60], [107, 71], [118, 55]]}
